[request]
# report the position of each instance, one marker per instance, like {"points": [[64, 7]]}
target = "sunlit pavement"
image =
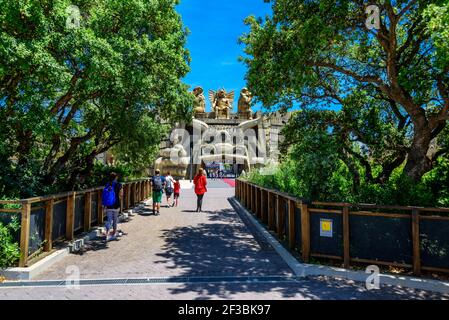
{"points": [[212, 251]]}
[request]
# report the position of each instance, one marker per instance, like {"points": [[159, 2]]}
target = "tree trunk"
{"points": [[417, 161]]}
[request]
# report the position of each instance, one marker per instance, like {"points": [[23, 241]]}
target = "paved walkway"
{"points": [[181, 243]]}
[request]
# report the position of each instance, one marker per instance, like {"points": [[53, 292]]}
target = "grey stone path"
{"points": [[183, 243]]}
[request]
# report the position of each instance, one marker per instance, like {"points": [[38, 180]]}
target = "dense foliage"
{"points": [[9, 249], [316, 168], [375, 103], [69, 93]]}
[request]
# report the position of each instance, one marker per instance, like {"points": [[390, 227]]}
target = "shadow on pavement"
{"points": [[228, 246]]}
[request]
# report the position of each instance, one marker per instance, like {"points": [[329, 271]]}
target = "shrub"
{"points": [[9, 250], [331, 181]]}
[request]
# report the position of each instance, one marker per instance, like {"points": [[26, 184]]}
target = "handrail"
{"points": [[133, 192], [61, 194], [282, 218], [346, 204]]}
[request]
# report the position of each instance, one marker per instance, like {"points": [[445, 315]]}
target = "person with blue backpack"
{"points": [[157, 185], [112, 195]]}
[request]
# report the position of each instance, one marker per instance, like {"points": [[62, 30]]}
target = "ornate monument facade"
{"points": [[199, 104], [243, 140], [221, 103], [244, 107]]}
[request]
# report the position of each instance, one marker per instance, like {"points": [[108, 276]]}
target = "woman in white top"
{"points": [[169, 181]]}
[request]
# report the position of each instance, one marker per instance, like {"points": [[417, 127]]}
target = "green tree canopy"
{"points": [[69, 93]]}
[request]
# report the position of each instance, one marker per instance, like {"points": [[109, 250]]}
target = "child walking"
{"points": [[176, 192]]}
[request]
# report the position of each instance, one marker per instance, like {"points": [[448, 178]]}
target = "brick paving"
{"points": [[307, 289], [183, 243], [178, 242]]}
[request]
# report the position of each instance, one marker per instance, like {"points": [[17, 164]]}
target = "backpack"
{"points": [[169, 182], [109, 196], [157, 183]]}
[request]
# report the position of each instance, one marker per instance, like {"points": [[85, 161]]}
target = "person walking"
{"points": [[111, 200], [200, 183], [157, 184], [177, 191], [169, 181]]}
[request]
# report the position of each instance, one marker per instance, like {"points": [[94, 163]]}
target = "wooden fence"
{"points": [[415, 238], [76, 212]]}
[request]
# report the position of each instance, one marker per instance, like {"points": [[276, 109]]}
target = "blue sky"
{"points": [[215, 26]]}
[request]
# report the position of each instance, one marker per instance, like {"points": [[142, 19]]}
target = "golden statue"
{"points": [[199, 104], [244, 106], [221, 103]]}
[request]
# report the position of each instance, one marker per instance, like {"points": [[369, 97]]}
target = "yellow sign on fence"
{"points": [[326, 227]]}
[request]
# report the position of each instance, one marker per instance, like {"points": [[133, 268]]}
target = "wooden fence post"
{"points": [[243, 186], [281, 216], [416, 242], [124, 197], [253, 199], [49, 225], [346, 244], [128, 196], [271, 217], [305, 232], [139, 191], [87, 211], [146, 189], [100, 213], [142, 191], [24, 233], [248, 196], [291, 223], [236, 190], [257, 198], [264, 205], [239, 190], [70, 216]]}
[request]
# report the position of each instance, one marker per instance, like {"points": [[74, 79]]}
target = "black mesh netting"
{"points": [[37, 229], [380, 238], [434, 243], [326, 245], [79, 213], [59, 219]]}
